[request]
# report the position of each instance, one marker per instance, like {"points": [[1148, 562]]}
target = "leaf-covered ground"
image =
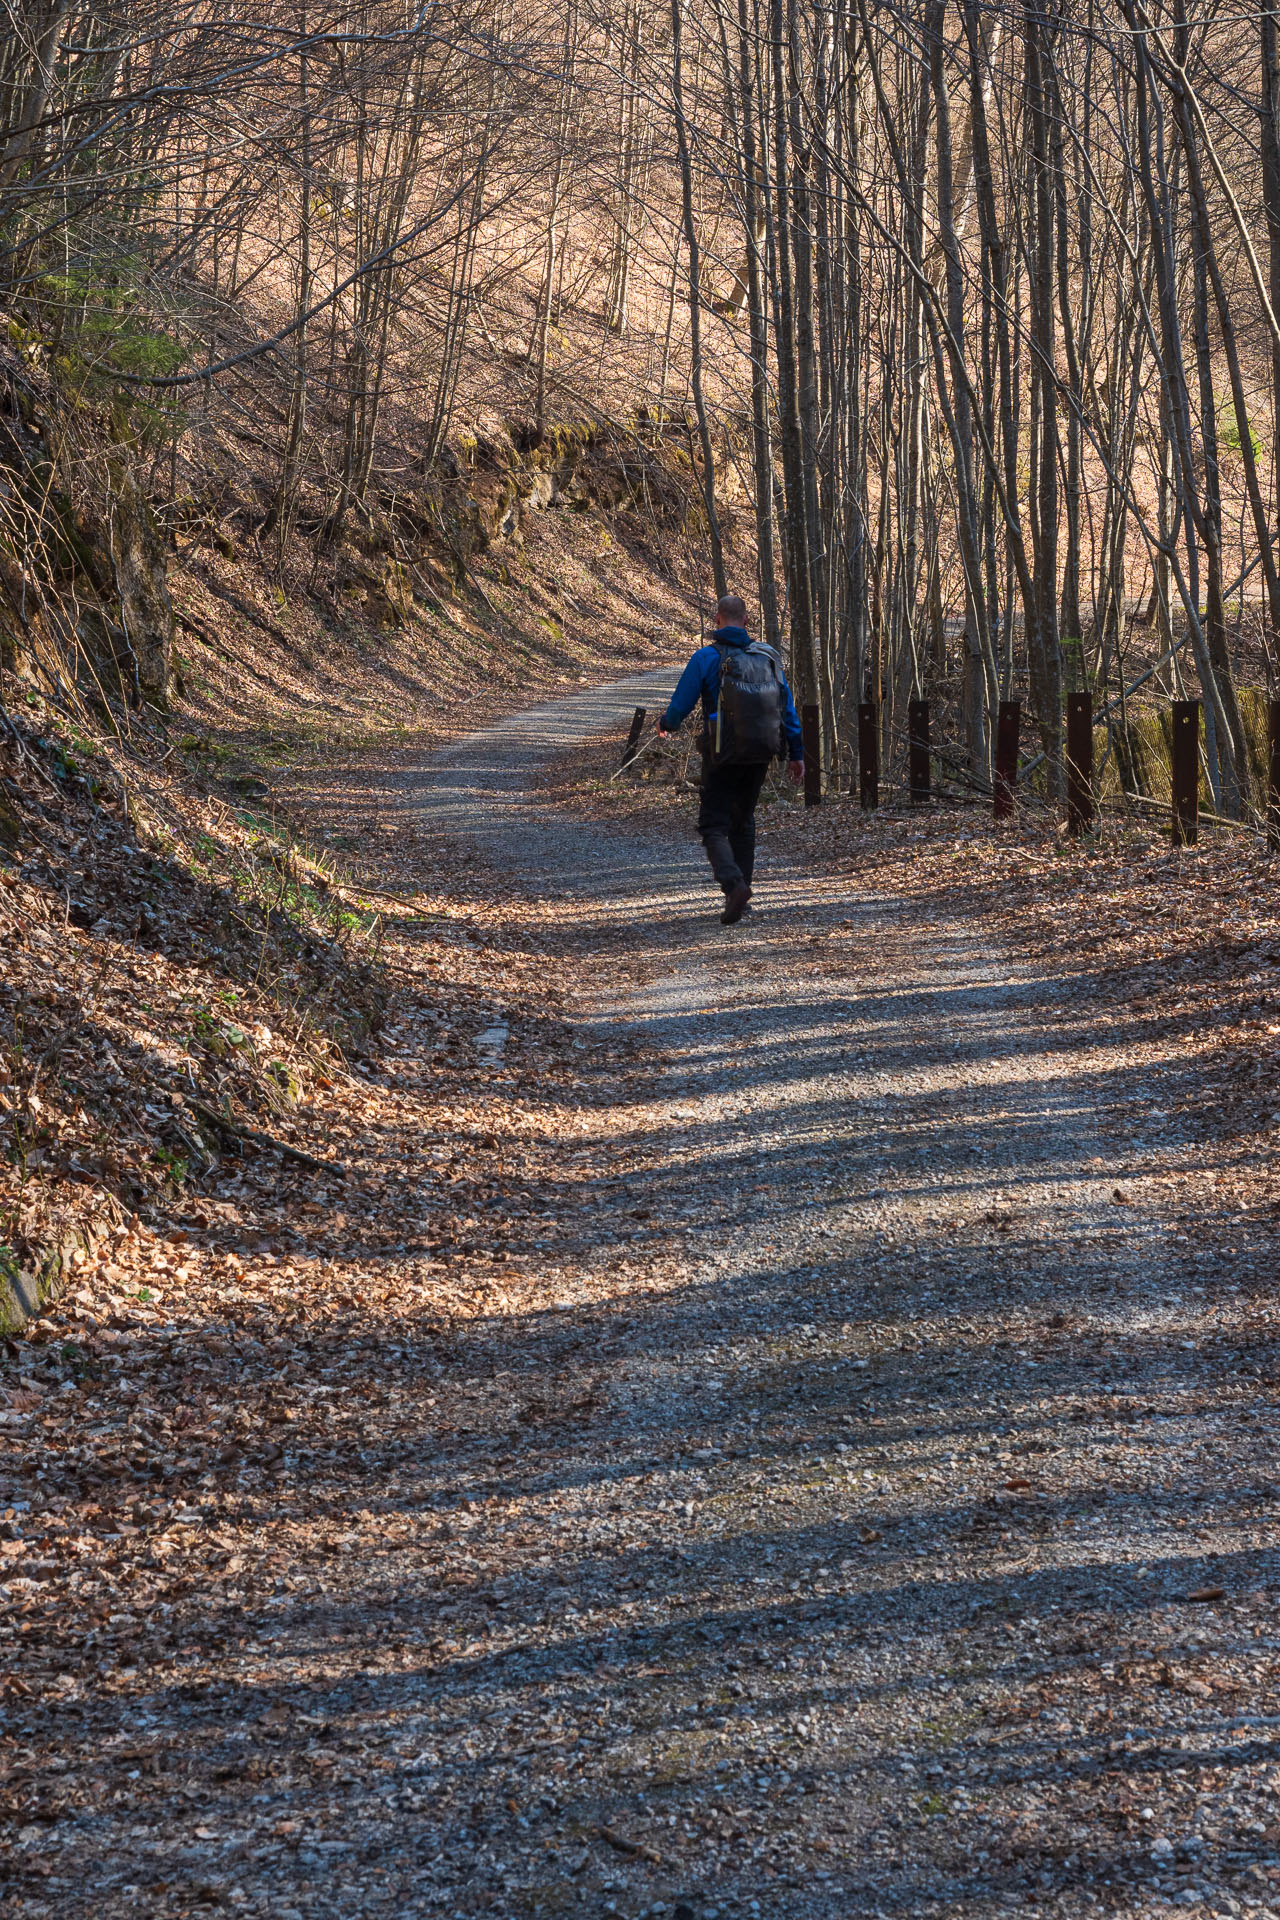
{"points": [[767, 1421]]}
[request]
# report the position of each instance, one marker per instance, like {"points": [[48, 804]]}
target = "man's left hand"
{"points": [[795, 771]]}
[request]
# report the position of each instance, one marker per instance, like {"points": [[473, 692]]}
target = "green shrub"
{"points": [[1229, 432]]}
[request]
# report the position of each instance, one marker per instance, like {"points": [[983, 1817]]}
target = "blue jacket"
{"points": [[701, 680]]}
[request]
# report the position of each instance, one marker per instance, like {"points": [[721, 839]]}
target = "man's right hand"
{"points": [[795, 771]]}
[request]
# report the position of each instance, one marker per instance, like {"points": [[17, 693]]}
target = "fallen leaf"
{"points": [[635, 1848]]}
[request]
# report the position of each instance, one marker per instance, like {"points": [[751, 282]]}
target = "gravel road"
{"points": [[875, 1593]]}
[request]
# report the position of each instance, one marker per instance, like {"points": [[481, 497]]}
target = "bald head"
{"points": [[731, 611]]}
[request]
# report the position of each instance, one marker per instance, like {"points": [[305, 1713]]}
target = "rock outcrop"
{"points": [[84, 593]]}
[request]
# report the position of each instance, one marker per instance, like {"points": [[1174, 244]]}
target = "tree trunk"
{"points": [[695, 300]]}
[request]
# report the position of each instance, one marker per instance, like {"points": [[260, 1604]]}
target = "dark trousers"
{"points": [[727, 821]]}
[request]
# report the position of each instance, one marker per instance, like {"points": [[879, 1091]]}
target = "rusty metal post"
{"points": [[918, 749], [633, 738], [1273, 775], [1007, 724], [868, 755], [1080, 808], [811, 733], [1186, 772]]}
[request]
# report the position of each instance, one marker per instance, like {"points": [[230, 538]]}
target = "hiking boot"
{"points": [[735, 904]]}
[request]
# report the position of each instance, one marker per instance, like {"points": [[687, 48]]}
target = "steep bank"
{"points": [[196, 936], [510, 562]]}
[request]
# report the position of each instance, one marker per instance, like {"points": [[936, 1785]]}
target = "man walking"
{"points": [[749, 719]]}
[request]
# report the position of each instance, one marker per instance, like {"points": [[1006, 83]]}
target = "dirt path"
{"points": [[824, 1542]]}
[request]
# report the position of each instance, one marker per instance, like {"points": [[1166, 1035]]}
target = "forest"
{"points": [[970, 311], [538, 1378]]}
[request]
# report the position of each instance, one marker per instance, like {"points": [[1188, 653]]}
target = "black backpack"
{"points": [[747, 729]]}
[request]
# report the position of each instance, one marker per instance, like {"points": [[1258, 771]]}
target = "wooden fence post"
{"points": [[1008, 723], [918, 750], [1186, 772], [868, 755], [1080, 807], [633, 738]]}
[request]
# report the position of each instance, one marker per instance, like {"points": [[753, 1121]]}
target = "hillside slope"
{"points": [[197, 944]]}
